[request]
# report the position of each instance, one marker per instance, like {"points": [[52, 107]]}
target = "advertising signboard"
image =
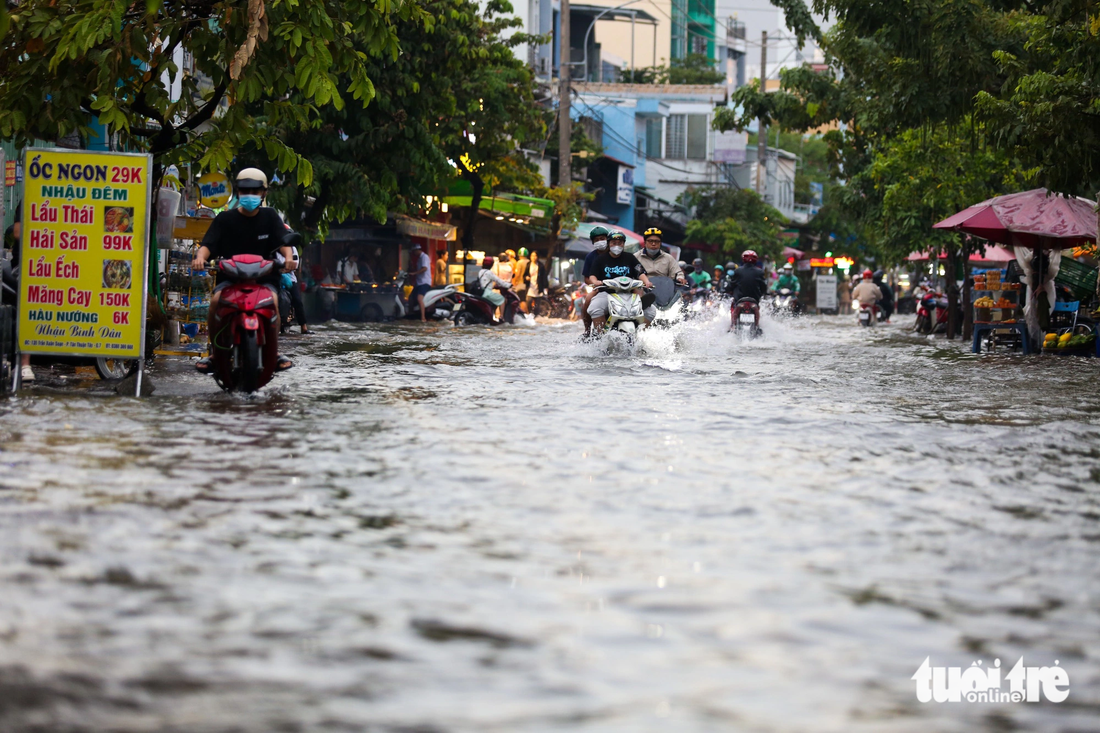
{"points": [[85, 234], [826, 292]]}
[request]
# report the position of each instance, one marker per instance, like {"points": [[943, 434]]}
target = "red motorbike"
{"points": [[244, 344], [932, 313], [471, 308], [745, 317]]}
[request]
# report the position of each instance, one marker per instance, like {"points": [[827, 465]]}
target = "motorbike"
{"points": [[745, 317], [669, 299], [244, 342], [439, 303], [932, 312], [625, 308], [785, 302], [556, 303], [471, 308], [867, 314]]}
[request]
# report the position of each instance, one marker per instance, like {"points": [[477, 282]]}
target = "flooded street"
{"points": [[427, 529]]}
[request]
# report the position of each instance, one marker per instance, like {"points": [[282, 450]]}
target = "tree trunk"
{"points": [[952, 294], [472, 215]]}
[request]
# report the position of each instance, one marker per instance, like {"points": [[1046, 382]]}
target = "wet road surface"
{"points": [[425, 529]]}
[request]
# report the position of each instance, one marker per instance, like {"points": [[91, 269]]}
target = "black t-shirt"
{"points": [[232, 233], [607, 267], [747, 282]]}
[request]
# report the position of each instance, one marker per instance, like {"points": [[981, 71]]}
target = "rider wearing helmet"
{"points": [[700, 276], [749, 280], [519, 277], [867, 293], [248, 229], [616, 262], [598, 237], [787, 279], [656, 261], [887, 302]]}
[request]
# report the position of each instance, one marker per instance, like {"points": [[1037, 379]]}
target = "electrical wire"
{"points": [[633, 145]]}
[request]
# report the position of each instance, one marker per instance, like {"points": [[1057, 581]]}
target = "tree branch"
{"points": [[207, 111]]}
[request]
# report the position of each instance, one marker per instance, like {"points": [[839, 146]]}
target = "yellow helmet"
{"points": [[652, 232]]}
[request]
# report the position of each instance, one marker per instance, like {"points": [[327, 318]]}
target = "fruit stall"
{"points": [[998, 312]]}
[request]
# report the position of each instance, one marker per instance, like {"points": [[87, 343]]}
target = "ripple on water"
{"points": [[431, 528]]}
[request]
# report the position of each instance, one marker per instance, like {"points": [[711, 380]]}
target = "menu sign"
{"points": [[85, 228]]}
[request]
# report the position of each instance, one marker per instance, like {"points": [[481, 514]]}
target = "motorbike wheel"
{"points": [[541, 308], [250, 362], [372, 313], [108, 368], [463, 318]]}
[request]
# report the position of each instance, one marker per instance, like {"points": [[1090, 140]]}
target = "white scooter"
{"points": [[438, 303], [625, 312]]}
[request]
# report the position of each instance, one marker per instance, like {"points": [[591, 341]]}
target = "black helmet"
{"points": [[879, 274], [697, 262], [731, 265]]}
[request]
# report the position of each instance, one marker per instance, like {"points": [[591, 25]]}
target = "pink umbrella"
{"points": [[789, 252], [1035, 219]]}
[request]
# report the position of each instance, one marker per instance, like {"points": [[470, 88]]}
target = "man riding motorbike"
{"points": [[598, 237], [866, 292], [787, 279], [700, 277], [887, 302], [656, 261], [749, 280], [614, 263], [249, 229]]}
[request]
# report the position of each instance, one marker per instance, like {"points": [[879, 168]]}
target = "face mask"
{"points": [[601, 245], [616, 249], [652, 251], [251, 202]]}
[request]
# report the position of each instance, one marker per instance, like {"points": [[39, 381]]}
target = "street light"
{"points": [[589, 31]]}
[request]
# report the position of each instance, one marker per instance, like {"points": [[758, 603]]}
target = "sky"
{"points": [[761, 15]]}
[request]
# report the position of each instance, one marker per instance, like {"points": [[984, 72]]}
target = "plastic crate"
{"points": [[1078, 277]]}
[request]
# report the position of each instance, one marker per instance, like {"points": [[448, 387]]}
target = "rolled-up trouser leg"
{"points": [[650, 313]]}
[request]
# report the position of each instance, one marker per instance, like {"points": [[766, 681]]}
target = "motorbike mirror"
{"points": [[292, 239], [688, 269]]}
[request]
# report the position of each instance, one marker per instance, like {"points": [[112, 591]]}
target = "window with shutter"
{"points": [[675, 137]]}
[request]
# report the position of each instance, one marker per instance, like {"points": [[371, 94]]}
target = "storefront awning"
{"points": [[525, 207], [577, 241], [426, 229]]}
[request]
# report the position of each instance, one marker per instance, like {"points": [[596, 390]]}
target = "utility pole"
{"points": [[565, 122], [761, 127]]}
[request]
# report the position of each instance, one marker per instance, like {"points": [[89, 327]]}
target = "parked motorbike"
{"points": [[932, 313], [625, 308], [556, 303], [745, 317], [471, 308], [244, 342]]}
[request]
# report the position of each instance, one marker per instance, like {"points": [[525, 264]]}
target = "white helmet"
{"points": [[788, 267], [251, 178]]}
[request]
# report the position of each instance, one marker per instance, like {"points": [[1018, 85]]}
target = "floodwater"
{"points": [[426, 529]]}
